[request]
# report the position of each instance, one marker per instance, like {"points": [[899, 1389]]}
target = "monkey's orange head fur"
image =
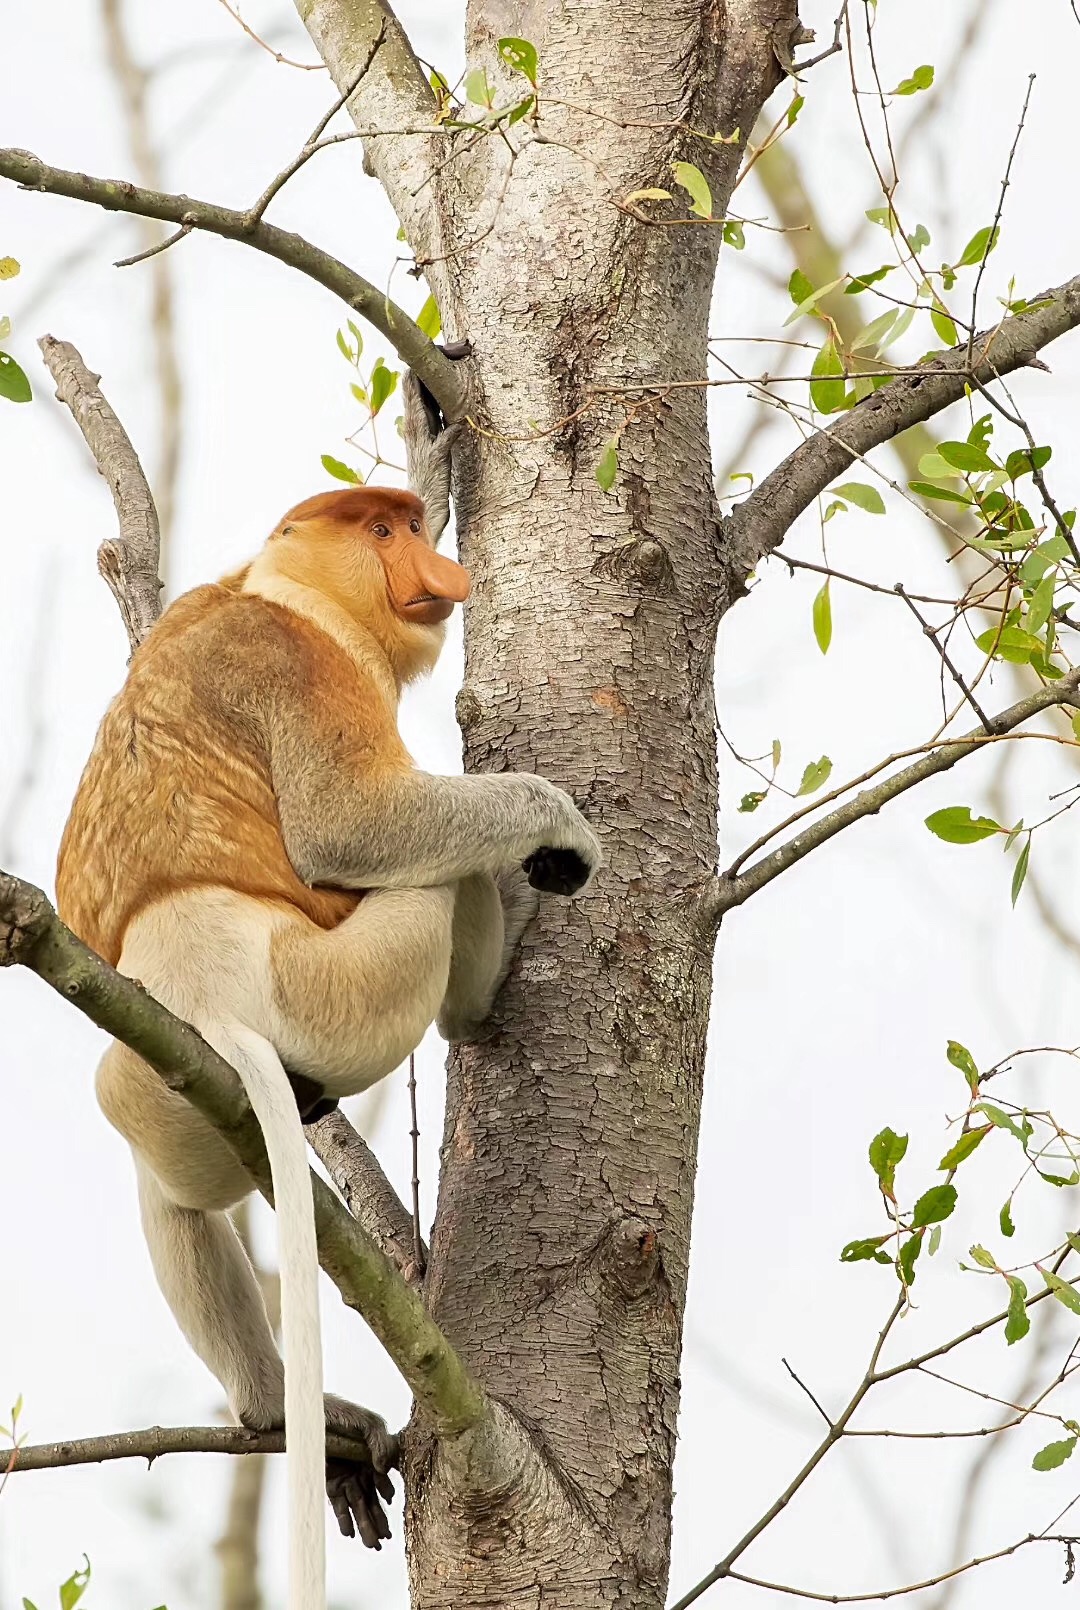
{"points": [[369, 549]]}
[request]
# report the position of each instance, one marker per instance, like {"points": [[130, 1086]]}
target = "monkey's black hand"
{"points": [[354, 1490], [556, 871]]}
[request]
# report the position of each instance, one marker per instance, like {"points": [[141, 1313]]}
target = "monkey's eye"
{"points": [[381, 531], [414, 527]]}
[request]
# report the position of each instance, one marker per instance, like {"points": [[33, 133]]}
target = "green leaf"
{"points": [[921, 78], [862, 282], [1054, 1454], [886, 1153], [934, 1205], [1002, 1120], [73, 1589], [984, 1259], [964, 1147], [864, 497], [1062, 1290], [823, 619], [978, 247], [1018, 1323], [694, 182], [1024, 460], [750, 802], [340, 471], [943, 493], [961, 1058], [383, 383], [1042, 602], [345, 349], [944, 327], [429, 319], [835, 507], [734, 234], [882, 216], [810, 302], [815, 774], [1009, 643], [956, 825], [966, 456], [799, 288], [876, 330], [919, 237], [934, 1240], [1020, 870], [27, 1605], [776, 752], [521, 56], [606, 466], [905, 1261], [797, 104], [859, 1251], [826, 390], [13, 383], [522, 109], [1005, 1220], [479, 88]]}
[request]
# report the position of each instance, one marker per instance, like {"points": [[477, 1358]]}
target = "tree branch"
{"points": [[731, 888], [760, 523], [157, 1440], [32, 935], [117, 195], [369, 1196], [348, 34], [129, 562]]}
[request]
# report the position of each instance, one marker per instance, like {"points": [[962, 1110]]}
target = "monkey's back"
{"points": [[177, 791]]}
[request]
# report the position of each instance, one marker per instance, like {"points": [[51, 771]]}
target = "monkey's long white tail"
{"points": [[268, 1089]]}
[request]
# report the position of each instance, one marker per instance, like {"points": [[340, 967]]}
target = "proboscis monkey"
{"points": [[251, 840]]}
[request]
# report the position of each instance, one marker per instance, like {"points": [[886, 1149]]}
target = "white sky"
{"points": [[836, 988]]}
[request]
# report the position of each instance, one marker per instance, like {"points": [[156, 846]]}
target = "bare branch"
{"points": [[129, 563], [347, 33], [133, 82], [760, 523], [369, 1196], [31, 934], [117, 195], [731, 888], [155, 1441]]}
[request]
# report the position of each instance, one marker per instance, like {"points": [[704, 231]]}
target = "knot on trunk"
{"points": [[630, 1259]]}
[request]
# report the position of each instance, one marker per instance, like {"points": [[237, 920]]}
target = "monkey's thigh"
{"points": [[189, 1158], [352, 1002]]}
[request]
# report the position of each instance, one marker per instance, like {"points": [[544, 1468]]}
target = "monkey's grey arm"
{"points": [[428, 449], [414, 830]]}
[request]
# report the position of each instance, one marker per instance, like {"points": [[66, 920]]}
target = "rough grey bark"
{"points": [[559, 1254]]}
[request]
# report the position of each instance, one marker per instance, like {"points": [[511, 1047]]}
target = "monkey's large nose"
{"points": [[425, 585]]}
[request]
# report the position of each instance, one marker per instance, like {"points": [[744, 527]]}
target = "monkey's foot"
{"points": [[355, 1487], [311, 1101]]}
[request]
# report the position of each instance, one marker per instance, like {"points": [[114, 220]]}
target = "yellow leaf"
{"points": [[8, 268]]}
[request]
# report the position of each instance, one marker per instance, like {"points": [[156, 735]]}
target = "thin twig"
{"points": [[992, 237], [802, 1384], [831, 50], [283, 61], [418, 1240], [152, 251], [929, 632], [312, 143]]}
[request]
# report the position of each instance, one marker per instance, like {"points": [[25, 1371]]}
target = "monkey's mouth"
{"points": [[428, 609]]}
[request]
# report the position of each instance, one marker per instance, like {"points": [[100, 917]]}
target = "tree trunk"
{"points": [[560, 1248]]}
